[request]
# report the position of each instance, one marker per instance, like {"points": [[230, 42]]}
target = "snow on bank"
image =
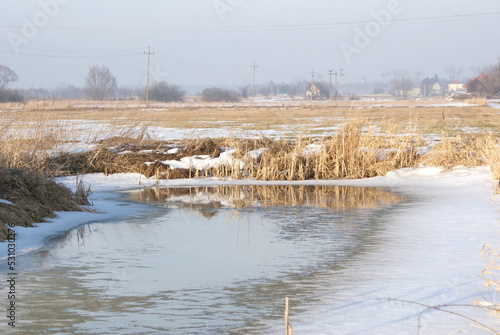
{"points": [[494, 105], [106, 206]]}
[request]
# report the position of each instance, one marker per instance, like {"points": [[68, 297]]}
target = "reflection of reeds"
{"points": [[331, 197]]}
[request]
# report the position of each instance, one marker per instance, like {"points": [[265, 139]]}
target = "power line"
{"points": [[193, 63], [346, 24], [26, 51], [312, 73]]}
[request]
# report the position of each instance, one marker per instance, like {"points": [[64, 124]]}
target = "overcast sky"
{"points": [[215, 42]]}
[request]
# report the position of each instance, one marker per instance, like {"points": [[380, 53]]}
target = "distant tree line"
{"points": [[101, 84]]}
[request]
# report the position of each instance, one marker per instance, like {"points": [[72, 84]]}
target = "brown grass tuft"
{"points": [[35, 198], [467, 150]]}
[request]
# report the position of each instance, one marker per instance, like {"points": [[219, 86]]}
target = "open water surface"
{"points": [[210, 261]]}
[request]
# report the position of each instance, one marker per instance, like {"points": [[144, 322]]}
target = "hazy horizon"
{"points": [[199, 43]]}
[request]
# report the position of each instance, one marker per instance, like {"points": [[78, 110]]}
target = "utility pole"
{"points": [[337, 73], [149, 53], [364, 84], [312, 76], [330, 73], [253, 80]]}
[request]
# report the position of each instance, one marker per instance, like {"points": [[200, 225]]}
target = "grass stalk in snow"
{"points": [[445, 309], [491, 276]]}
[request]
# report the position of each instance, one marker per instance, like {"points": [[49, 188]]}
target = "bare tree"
{"points": [[454, 72], [402, 83], [244, 90], [491, 80], [99, 83], [7, 76]]}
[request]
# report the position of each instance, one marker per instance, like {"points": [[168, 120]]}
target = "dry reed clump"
{"points": [[492, 156], [352, 152], [34, 198], [201, 146], [480, 102], [469, 150], [282, 160], [102, 161], [29, 148], [131, 155]]}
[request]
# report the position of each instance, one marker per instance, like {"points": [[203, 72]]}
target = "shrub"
{"points": [[164, 92], [215, 94], [7, 95]]}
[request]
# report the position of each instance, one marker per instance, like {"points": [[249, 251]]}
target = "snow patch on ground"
{"points": [[6, 202]]}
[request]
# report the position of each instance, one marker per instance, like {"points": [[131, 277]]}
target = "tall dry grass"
{"points": [[354, 151], [467, 150], [34, 143], [28, 146]]}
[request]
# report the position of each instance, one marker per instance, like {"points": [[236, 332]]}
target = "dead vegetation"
{"points": [[33, 198], [354, 151]]}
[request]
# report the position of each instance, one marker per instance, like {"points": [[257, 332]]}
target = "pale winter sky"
{"points": [[214, 42]]}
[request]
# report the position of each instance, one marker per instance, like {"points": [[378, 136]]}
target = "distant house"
{"points": [[456, 87], [478, 85], [313, 92], [437, 89], [431, 87]]}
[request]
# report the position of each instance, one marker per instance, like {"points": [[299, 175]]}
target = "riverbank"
{"points": [[28, 197]]}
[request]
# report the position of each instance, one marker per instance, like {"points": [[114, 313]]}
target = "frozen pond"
{"points": [[220, 260]]}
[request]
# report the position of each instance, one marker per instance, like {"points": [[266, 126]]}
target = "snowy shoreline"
{"points": [[107, 203]]}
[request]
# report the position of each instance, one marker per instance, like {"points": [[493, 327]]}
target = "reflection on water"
{"points": [[207, 200], [226, 271]]}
